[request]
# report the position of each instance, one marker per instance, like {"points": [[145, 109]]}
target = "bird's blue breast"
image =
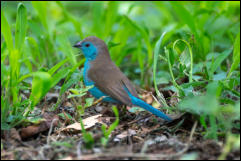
{"points": [[95, 91]]}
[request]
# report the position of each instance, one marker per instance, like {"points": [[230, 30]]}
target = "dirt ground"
{"points": [[139, 135]]}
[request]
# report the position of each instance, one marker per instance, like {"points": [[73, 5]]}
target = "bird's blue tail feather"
{"points": [[138, 102]]}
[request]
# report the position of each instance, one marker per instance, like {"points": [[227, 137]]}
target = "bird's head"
{"points": [[92, 47]]}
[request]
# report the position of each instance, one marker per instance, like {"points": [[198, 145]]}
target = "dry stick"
{"points": [[50, 130], [79, 150], [144, 155]]}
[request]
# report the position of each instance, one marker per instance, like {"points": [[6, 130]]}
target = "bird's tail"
{"points": [[138, 102]]}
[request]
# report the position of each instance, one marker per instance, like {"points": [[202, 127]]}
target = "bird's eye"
{"points": [[87, 45]]}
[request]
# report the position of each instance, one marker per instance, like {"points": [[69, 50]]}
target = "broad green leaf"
{"points": [[41, 84], [21, 26]]}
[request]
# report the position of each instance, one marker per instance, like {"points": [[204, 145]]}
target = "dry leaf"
{"points": [[125, 134], [88, 123], [147, 97], [43, 126]]}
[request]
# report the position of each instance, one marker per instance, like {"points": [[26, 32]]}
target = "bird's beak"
{"points": [[78, 45]]}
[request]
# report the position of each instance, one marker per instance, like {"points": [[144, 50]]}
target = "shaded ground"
{"points": [[138, 136]]}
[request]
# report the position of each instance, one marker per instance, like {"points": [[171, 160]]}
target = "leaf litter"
{"points": [[139, 135]]}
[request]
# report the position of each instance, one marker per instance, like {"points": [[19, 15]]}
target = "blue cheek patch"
{"points": [[90, 52]]}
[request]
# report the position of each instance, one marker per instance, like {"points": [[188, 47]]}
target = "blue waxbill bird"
{"points": [[108, 80]]}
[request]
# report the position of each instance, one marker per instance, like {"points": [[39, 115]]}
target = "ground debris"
{"points": [[50, 119]]}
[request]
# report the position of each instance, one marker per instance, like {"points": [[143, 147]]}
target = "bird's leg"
{"points": [[99, 100]]}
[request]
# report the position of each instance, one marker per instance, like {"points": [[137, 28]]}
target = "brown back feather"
{"points": [[107, 76]]}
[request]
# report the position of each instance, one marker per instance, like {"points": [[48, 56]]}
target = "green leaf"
{"points": [[33, 46], [110, 16], [67, 15], [88, 138], [6, 31], [66, 47], [59, 75], [236, 54], [107, 132], [41, 84], [218, 61], [156, 53], [185, 16], [89, 102], [115, 123], [41, 8], [144, 35], [57, 66], [191, 56], [21, 26]]}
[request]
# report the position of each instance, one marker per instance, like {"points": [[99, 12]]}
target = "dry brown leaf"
{"points": [[88, 123], [43, 126], [147, 97], [124, 134], [68, 158]]}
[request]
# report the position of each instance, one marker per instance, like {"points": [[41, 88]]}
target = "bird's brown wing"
{"points": [[110, 80]]}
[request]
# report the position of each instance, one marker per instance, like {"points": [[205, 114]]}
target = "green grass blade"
{"points": [[67, 49], [57, 66], [21, 26], [41, 8], [156, 53], [218, 62], [35, 53], [236, 54], [144, 35], [71, 18], [6, 31], [110, 16], [59, 75], [185, 16]]}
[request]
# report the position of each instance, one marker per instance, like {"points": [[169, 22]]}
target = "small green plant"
{"points": [[87, 136], [208, 107], [107, 132], [80, 92]]}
